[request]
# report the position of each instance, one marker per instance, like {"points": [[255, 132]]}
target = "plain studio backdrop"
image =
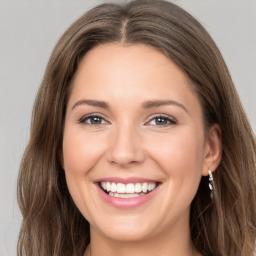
{"points": [[28, 33]]}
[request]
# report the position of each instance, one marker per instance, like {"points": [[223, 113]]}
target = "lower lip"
{"points": [[126, 203]]}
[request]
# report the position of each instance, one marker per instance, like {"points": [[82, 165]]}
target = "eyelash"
{"points": [[83, 119], [170, 120]]}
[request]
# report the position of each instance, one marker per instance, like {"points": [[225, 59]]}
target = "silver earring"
{"points": [[210, 181]]}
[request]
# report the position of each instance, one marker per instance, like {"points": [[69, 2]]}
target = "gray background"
{"points": [[29, 31]]}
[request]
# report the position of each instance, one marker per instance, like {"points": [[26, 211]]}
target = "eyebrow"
{"points": [[159, 103], [94, 103], [146, 104]]}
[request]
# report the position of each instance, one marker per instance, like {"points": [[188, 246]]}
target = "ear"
{"points": [[213, 149]]}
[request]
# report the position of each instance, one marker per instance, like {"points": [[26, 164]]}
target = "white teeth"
{"points": [[125, 195], [120, 188], [132, 189], [113, 187], [107, 185], [144, 187], [151, 186], [137, 187]]}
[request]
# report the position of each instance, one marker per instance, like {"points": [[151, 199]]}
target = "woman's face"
{"points": [[134, 146]]}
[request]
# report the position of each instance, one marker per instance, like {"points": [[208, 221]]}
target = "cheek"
{"points": [[180, 158], [80, 152], [180, 153]]}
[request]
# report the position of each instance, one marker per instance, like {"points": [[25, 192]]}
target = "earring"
{"points": [[210, 181]]}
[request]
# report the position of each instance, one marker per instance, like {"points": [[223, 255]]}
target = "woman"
{"points": [[139, 144]]}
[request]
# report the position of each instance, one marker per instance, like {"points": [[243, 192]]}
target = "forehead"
{"points": [[126, 72], [113, 60]]}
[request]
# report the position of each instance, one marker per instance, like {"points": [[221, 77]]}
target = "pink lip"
{"points": [[126, 203], [125, 180]]}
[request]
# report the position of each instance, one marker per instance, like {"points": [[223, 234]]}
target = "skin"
{"points": [[128, 142]]}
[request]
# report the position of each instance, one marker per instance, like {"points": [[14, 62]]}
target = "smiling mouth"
{"points": [[129, 190]]}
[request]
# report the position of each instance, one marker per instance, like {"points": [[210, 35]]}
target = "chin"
{"points": [[131, 230]]}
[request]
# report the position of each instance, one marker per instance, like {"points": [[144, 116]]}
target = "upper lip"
{"points": [[126, 180]]}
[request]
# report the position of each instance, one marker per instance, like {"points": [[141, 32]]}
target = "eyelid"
{"points": [[173, 121], [82, 119]]}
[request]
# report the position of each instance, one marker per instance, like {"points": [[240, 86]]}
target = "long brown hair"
{"points": [[224, 226]]}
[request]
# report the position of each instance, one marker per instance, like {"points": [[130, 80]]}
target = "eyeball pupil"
{"points": [[161, 120], [95, 120]]}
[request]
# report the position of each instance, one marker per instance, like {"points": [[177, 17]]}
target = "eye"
{"points": [[162, 121], [92, 120]]}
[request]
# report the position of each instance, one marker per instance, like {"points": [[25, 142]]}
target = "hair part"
{"points": [[52, 224]]}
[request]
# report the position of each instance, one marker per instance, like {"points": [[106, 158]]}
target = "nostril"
{"points": [[125, 150]]}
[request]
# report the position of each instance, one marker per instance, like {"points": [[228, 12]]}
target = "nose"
{"points": [[125, 148]]}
